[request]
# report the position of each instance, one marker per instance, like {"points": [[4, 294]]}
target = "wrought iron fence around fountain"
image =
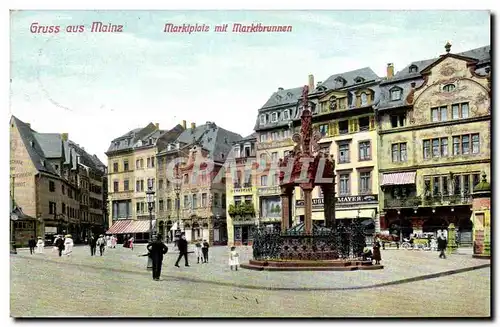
{"points": [[340, 242]]}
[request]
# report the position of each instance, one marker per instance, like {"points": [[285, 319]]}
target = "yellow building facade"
{"points": [[434, 147]]}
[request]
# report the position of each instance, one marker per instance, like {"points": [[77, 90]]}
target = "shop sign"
{"points": [[341, 200]]}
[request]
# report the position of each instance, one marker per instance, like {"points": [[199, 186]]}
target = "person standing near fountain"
{"points": [[376, 252]]}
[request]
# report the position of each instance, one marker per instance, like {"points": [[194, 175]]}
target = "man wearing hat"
{"points": [[156, 251], [101, 243], [59, 244], [32, 244]]}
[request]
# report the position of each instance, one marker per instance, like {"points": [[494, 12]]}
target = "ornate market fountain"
{"points": [[309, 246]]}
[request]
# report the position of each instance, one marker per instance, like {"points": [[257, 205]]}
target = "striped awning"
{"points": [[128, 226], [399, 178]]}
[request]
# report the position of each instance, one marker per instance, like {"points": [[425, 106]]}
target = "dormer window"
{"points": [[364, 99], [359, 80], [321, 88], [263, 119], [449, 88], [286, 114], [274, 117], [289, 95], [150, 141], [413, 69], [396, 93], [341, 80]]}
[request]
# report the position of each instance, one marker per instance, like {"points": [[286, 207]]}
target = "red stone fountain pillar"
{"points": [[307, 209], [285, 209]]}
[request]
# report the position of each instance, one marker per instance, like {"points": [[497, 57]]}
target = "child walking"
{"points": [[234, 260]]}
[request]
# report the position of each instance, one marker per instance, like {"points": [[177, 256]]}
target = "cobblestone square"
{"points": [[412, 284]]}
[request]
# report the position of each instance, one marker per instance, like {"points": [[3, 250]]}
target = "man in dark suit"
{"points": [[183, 250], [93, 245], [157, 249], [204, 250], [60, 244], [32, 244]]}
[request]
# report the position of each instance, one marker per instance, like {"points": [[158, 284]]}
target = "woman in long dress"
{"points": [[108, 241], [39, 245], [68, 245], [376, 252], [234, 260], [113, 241]]}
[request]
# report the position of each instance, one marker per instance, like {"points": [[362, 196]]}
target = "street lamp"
{"points": [[14, 217], [150, 198]]}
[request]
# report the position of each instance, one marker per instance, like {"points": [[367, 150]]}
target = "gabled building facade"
{"points": [[132, 171], [191, 194], [51, 181], [434, 142]]}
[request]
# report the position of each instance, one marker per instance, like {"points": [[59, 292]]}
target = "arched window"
{"points": [[413, 69], [396, 94], [448, 87]]}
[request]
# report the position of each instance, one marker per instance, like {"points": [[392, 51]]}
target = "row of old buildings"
{"points": [[409, 147], [56, 187]]}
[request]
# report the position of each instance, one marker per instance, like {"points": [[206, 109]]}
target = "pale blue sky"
{"points": [[98, 86]]}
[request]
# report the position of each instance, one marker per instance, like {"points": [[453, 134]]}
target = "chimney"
{"points": [[193, 125], [157, 125], [390, 70], [311, 82], [184, 124], [64, 136]]}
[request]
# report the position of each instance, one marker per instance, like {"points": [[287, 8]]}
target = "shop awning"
{"points": [[398, 178], [130, 227], [353, 214]]}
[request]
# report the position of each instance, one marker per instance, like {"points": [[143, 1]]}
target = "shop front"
{"points": [[138, 229], [243, 233]]}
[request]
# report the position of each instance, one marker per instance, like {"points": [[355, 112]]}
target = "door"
{"points": [[244, 235]]}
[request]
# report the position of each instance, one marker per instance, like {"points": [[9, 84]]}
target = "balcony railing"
{"points": [[436, 200]]}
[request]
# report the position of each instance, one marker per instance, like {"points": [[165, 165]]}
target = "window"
{"points": [[148, 162], [286, 133], [274, 136], [365, 182], [52, 208], [465, 110], [399, 152], [475, 180], [444, 146], [223, 200], [276, 180], [64, 208], [343, 152], [125, 165], [63, 190], [263, 180], [274, 117], [344, 184], [455, 114], [186, 201], [449, 88], [465, 144], [475, 143], [152, 162], [216, 200], [286, 115], [444, 185], [323, 129], [457, 184], [204, 199], [444, 113], [364, 123], [456, 145], [435, 186], [115, 186], [439, 114], [364, 99], [125, 185], [427, 149], [398, 120], [52, 186], [364, 150], [413, 69], [395, 94], [435, 148], [274, 156], [137, 186], [115, 167], [466, 184], [195, 201], [343, 127], [186, 178], [160, 204], [142, 185], [169, 204], [263, 159], [263, 137], [262, 119]]}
